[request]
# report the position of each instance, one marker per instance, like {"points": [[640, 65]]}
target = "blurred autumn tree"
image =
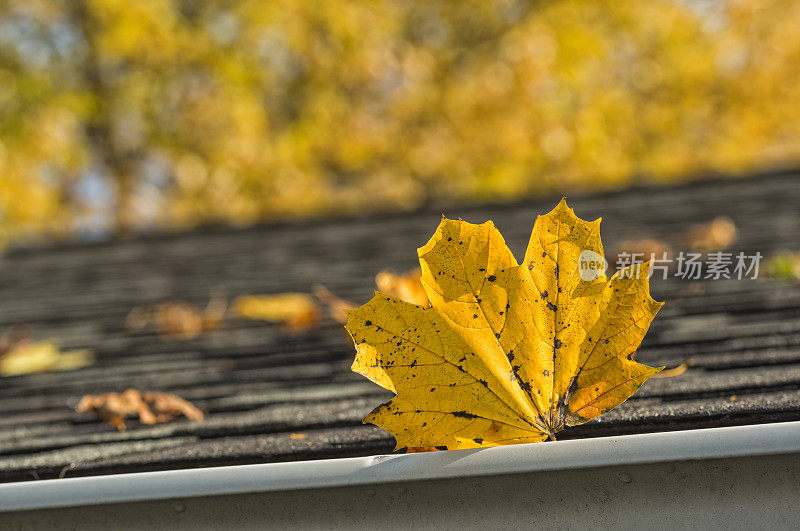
{"points": [[118, 115]]}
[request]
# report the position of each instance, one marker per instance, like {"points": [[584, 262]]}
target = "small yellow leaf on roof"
{"points": [[407, 287], [42, 356], [295, 311], [507, 353]]}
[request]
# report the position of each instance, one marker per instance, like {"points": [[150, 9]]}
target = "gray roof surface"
{"points": [[258, 385]]}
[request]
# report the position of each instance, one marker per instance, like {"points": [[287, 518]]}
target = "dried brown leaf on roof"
{"points": [[151, 407], [179, 319]]}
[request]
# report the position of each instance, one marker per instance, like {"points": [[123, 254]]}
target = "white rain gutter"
{"points": [[503, 463]]}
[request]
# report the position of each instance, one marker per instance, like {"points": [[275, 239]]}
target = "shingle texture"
{"points": [[259, 385]]}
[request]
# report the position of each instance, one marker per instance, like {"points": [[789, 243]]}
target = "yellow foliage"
{"points": [[507, 353], [244, 110]]}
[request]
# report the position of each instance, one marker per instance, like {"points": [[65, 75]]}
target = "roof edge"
{"points": [[710, 443]]}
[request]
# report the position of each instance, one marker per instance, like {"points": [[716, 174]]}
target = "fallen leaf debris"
{"points": [[179, 319], [151, 407]]}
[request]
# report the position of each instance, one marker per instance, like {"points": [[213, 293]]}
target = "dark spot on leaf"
{"points": [[368, 323], [551, 306], [491, 278], [441, 448], [546, 372], [464, 415], [557, 343], [478, 440], [544, 294]]}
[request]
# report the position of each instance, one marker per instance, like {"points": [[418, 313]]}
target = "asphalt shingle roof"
{"points": [[259, 385]]}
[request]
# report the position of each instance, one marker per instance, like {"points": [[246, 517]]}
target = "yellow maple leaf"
{"points": [[506, 353]]}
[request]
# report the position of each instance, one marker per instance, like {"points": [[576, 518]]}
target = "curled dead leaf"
{"points": [[151, 407]]}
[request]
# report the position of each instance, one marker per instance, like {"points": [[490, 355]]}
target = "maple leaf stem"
{"points": [[552, 437]]}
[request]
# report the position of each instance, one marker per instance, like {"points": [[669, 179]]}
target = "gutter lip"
{"points": [[708, 443]]}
